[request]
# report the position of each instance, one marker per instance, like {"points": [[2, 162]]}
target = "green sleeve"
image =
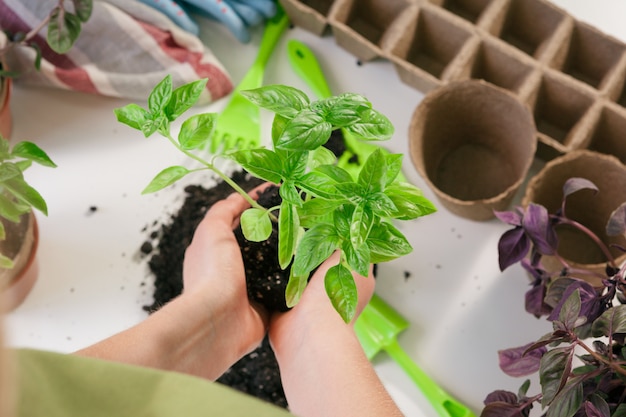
{"points": [[54, 384]]}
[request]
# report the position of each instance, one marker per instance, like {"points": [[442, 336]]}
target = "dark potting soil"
{"points": [[257, 373]]}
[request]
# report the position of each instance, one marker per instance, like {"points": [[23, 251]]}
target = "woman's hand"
{"points": [[211, 325], [213, 270], [323, 367]]}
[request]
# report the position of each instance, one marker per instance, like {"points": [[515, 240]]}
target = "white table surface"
{"points": [[93, 283]]}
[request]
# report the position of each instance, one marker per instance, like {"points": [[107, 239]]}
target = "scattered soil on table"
{"points": [[257, 373]]}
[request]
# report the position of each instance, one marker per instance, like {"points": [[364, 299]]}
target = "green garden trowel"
{"points": [[305, 65], [377, 329]]}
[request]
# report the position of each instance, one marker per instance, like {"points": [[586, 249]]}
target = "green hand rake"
{"points": [[238, 125], [377, 329]]}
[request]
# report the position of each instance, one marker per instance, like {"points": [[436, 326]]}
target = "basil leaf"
{"points": [[316, 245], [160, 96], [165, 178], [132, 115], [196, 131], [305, 132], [256, 224], [262, 163], [295, 287], [280, 99], [63, 30], [341, 290], [32, 152], [288, 231], [183, 98]]}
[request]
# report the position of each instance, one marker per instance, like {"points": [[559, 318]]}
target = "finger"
{"points": [[225, 212]]}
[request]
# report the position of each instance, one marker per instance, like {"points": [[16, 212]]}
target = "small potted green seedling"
{"points": [[63, 28], [323, 208], [581, 362], [18, 225]]}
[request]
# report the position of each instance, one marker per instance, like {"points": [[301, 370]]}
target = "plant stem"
{"points": [[592, 235], [222, 175], [614, 366]]}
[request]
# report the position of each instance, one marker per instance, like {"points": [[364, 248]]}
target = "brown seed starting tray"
{"points": [[570, 74]]}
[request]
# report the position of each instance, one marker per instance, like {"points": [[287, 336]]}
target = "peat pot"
{"points": [[589, 209], [473, 143], [20, 245]]}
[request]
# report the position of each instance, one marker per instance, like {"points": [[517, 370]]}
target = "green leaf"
{"points": [[262, 163], [360, 225], [373, 126], [288, 231], [373, 174], [569, 400], [322, 156], [281, 99], [155, 122], [32, 152], [571, 310], [5, 148], [317, 210], [381, 205], [290, 193], [409, 201], [11, 209], [341, 290], [394, 166], [337, 174], [83, 9], [295, 287], [386, 243], [165, 178], [611, 322], [357, 258], [319, 185], [256, 224], [27, 194], [9, 170], [196, 130], [294, 163], [278, 127], [63, 30], [6, 262], [160, 96], [554, 369], [183, 98], [620, 411], [305, 132], [132, 115], [316, 245]]}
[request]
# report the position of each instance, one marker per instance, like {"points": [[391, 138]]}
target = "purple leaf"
{"points": [[591, 410], [576, 183], [499, 409], [536, 223], [534, 301], [502, 396], [509, 217], [512, 247], [617, 222], [591, 303], [518, 361]]}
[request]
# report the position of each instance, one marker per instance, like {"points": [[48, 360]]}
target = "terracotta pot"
{"points": [[591, 210], [473, 143], [21, 246], [6, 122]]}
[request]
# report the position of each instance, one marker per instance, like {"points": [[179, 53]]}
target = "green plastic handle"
{"points": [[306, 66], [273, 29], [441, 401]]}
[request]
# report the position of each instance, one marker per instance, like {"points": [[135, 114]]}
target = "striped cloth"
{"points": [[124, 50]]}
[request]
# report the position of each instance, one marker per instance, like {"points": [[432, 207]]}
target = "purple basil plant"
{"points": [[582, 362]]}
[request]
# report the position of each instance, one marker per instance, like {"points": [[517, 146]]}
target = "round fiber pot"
{"points": [[5, 109], [473, 143], [590, 209], [21, 246]]}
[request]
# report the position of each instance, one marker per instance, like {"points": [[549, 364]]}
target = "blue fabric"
{"points": [[237, 15]]}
